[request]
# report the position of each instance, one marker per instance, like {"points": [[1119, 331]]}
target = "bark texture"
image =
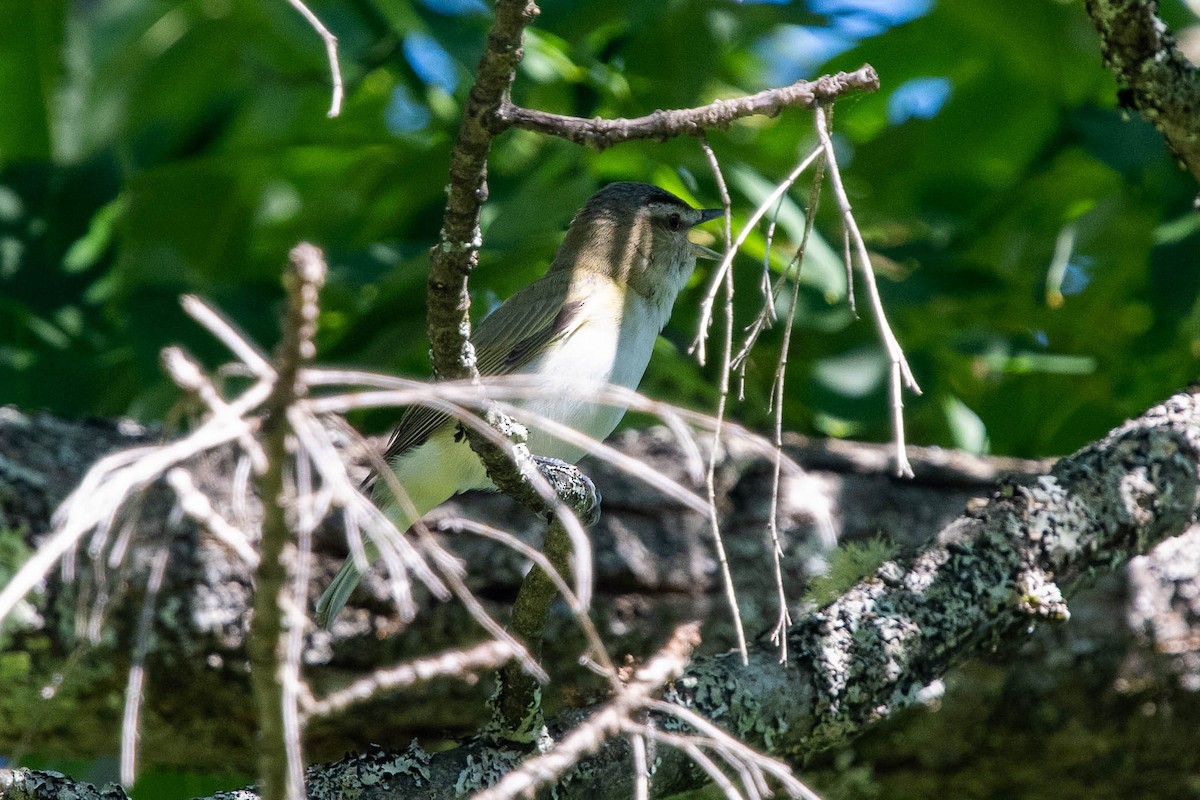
{"points": [[992, 575], [1156, 79]]}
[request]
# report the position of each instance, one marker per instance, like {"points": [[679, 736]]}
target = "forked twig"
{"points": [[901, 374], [718, 276]]}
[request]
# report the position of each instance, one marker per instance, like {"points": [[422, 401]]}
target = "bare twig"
{"points": [[228, 334], [101, 494], [458, 663], [662, 125], [266, 645], [456, 397], [718, 276], [311, 507], [901, 375], [766, 313], [335, 72], [710, 478], [595, 642], [196, 505], [784, 618], [666, 665], [137, 671]]}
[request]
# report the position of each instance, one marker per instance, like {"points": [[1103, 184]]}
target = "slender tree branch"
{"points": [[663, 125], [266, 645], [901, 374], [455, 663], [335, 72], [518, 706], [667, 665], [456, 255], [1156, 79]]}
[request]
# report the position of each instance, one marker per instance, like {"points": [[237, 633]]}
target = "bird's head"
{"points": [[637, 234]]}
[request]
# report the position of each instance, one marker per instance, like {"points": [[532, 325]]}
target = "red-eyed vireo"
{"points": [[590, 321]]}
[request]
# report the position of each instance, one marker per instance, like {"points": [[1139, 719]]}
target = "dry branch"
{"points": [[303, 280], [663, 125]]}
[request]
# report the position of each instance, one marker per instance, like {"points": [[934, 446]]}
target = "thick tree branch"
{"points": [[1156, 78], [663, 125], [991, 577], [1132, 488]]}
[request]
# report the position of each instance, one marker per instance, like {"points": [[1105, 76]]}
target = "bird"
{"points": [[589, 322]]}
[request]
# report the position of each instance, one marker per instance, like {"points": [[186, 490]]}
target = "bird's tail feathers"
{"points": [[334, 598]]}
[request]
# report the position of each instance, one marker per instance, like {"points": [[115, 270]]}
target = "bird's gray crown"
{"points": [[625, 195]]}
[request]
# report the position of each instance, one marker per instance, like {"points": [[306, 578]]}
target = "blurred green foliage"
{"points": [[155, 147]]}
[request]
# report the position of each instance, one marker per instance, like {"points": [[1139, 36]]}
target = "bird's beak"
{"points": [[699, 250]]}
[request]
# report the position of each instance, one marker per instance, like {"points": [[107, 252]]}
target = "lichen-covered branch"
{"points": [[990, 577], [518, 701], [1156, 79], [456, 254], [662, 125]]}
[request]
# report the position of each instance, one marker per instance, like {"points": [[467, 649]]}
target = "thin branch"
{"points": [[585, 738], [335, 72], [310, 509], [662, 125], [765, 318], [453, 259], [99, 497], [239, 344], [718, 276], [901, 375], [457, 663], [137, 671], [733, 749], [784, 618], [523, 386], [455, 397], [267, 645], [710, 478], [196, 506]]}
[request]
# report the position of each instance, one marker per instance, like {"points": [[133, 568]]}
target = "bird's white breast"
{"points": [[612, 345]]}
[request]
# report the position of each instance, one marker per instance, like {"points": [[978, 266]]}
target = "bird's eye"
{"points": [[674, 222]]}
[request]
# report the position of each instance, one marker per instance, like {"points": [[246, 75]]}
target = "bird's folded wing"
{"points": [[505, 341]]}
